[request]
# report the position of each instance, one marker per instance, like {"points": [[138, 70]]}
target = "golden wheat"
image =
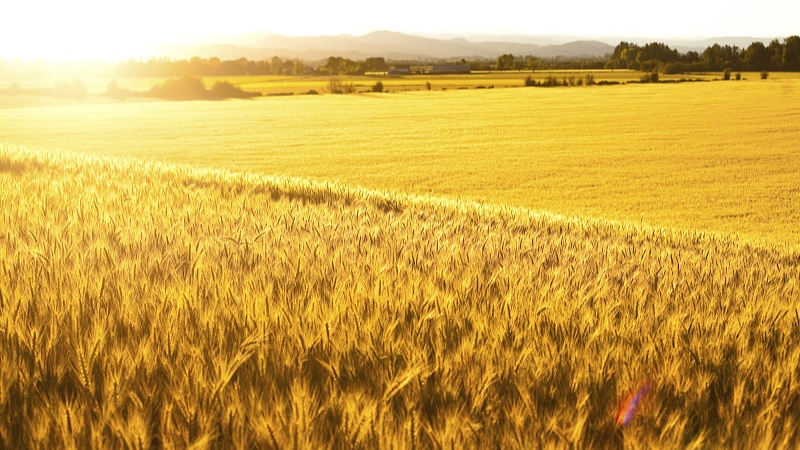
{"points": [[144, 306], [717, 156]]}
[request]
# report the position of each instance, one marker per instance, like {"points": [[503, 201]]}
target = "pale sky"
{"points": [[109, 29]]}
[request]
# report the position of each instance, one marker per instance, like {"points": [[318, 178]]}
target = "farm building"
{"points": [[451, 68], [399, 70]]}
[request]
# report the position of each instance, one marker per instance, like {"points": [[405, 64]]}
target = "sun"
{"points": [[75, 48], [80, 31]]}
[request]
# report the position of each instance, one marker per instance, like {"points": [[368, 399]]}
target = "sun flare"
{"points": [[85, 30]]}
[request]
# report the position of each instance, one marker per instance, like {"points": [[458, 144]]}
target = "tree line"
{"points": [[528, 62], [167, 67], [655, 56], [335, 65]]}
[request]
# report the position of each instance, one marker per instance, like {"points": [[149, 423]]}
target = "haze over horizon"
{"points": [[92, 29]]}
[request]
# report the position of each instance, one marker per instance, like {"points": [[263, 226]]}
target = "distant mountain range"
{"points": [[394, 45]]}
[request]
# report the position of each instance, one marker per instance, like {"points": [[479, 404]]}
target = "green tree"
{"points": [[775, 50], [626, 56], [375, 65], [791, 53], [691, 57], [712, 57], [299, 67], [184, 88], [505, 62], [756, 57], [336, 65], [659, 52], [276, 65]]}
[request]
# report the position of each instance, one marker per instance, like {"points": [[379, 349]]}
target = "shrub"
{"points": [[550, 81], [529, 81], [669, 69], [184, 88], [764, 75], [335, 86], [738, 76], [377, 87], [192, 88], [224, 89], [590, 79], [428, 85], [726, 74], [649, 78]]}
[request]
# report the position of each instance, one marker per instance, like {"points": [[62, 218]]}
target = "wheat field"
{"points": [[150, 305], [719, 156]]}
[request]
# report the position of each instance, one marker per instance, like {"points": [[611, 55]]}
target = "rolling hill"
{"points": [[396, 45], [382, 43]]}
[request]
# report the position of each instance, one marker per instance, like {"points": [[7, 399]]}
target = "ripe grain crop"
{"points": [[718, 157], [148, 305]]}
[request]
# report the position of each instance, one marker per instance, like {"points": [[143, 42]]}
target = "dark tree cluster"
{"points": [[186, 87], [214, 67], [756, 57], [511, 62], [337, 65]]}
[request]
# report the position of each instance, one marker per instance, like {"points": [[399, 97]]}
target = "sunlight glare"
{"points": [[83, 30]]}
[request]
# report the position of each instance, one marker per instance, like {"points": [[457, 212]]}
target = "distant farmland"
{"points": [[718, 157]]}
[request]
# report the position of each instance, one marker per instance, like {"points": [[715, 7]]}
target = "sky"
{"points": [[118, 29]]}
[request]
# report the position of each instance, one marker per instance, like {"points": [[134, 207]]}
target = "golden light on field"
{"points": [[358, 259], [591, 151]]}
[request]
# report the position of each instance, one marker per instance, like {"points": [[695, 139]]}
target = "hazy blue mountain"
{"points": [[394, 45]]}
